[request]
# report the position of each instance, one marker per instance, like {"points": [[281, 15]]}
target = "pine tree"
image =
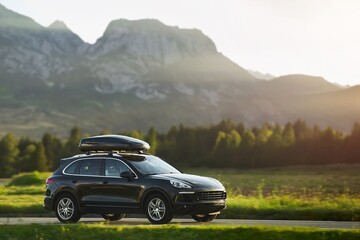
{"points": [[263, 134], [220, 142], [40, 158], [233, 140], [288, 136], [8, 155], [248, 139], [71, 146], [21, 163], [137, 134], [53, 148], [151, 138], [28, 158]]}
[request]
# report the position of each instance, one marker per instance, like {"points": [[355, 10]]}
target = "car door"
{"points": [[117, 191], [88, 181]]}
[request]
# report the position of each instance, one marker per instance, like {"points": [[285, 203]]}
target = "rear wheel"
{"points": [[203, 217], [66, 209], [112, 216], [158, 210]]}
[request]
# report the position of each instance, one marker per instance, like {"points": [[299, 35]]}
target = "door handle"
{"points": [[105, 182], [74, 181]]}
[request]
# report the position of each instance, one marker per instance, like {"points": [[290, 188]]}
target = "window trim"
{"points": [[103, 162]]}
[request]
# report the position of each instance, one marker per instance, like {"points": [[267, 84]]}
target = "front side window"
{"points": [[115, 168], [90, 167]]}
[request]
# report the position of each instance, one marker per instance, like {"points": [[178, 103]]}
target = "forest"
{"points": [[223, 145]]}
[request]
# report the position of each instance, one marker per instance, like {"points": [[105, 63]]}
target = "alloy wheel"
{"points": [[65, 208], [156, 209]]}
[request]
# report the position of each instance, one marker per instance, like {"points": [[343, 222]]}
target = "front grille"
{"points": [[215, 195]]}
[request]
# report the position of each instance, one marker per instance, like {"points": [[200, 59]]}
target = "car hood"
{"points": [[192, 180]]}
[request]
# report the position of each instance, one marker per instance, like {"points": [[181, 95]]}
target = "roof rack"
{"points": [[110, 153], [112, 143]]}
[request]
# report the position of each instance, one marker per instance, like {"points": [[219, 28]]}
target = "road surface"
{"points": [[190, 222]]}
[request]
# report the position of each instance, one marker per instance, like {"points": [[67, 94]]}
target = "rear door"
{"points": [[88, 181]]}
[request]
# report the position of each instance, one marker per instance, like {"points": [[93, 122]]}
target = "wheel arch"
{"points": [[153, 191], [65, 190]]}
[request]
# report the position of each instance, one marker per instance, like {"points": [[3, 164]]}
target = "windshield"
{"points": [[152, 165]]}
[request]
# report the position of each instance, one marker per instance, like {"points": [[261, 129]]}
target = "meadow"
{"points": [[308, 193], [175, 232]]}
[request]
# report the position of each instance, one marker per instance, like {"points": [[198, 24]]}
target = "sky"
{"points": [[314, 37]]}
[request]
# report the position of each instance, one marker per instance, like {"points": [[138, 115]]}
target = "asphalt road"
{"points": [[190, 222]]}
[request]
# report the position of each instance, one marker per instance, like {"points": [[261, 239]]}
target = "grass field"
{"points": [[313, 193], [300, 180], [174, 232]]}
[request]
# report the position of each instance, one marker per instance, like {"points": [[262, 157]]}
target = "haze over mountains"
{"points": [[144, 73]]}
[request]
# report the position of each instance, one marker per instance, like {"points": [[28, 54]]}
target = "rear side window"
{"points": [[73, 168], [90, 167]]}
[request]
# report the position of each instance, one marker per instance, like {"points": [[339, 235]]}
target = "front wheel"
{"points": [[158, 210], [203, 217], [113, 217], [67, 210]]}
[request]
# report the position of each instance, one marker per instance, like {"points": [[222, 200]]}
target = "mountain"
{"points": [[137, 55], [336, 108], [31, 53], [259, 75], [297, 84], [140, 74]]}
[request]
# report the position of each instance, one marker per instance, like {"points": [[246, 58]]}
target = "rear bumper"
{"points": [[48, 203]]}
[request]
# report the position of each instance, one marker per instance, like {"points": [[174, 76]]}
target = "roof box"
{"points": [[112, 143]]}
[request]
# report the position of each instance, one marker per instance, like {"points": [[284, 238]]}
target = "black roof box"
{"points": [[112, 143]]}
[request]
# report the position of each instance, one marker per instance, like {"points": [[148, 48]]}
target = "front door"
{"points": [[119, 192]]}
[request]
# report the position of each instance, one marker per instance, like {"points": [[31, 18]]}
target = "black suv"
{"points": [[128, 181]]}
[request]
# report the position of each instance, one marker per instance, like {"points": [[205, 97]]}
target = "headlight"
{"points": [[179, 184]]}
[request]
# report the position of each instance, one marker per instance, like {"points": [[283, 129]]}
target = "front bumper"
{"points": [[199, 202]]}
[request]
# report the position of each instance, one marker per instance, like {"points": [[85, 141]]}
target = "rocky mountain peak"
{"points": [[151, 38], [58, 25], [64, 38]]}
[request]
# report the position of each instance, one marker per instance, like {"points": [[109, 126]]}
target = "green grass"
{"points": [[301, 180], [174, 232], [23, 203], [316, 193], [291, 207]]}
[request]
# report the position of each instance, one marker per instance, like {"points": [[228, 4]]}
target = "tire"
{"points": [[67, 209], [203, 217], [158, 209], [113, 217]]}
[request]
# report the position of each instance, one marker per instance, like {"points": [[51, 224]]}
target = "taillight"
{"points": [[49, 180]]}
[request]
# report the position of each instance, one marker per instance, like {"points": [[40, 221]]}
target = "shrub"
{"points": [[25, 179]]}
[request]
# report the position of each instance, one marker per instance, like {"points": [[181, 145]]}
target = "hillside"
{"points": [[297, 84]]}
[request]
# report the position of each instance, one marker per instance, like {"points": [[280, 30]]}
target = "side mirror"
{"points": [[129, 175]]}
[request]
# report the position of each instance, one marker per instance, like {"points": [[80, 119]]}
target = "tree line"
{"points": [[223, 145]]}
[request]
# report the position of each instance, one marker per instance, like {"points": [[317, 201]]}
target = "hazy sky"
{"points": [[316, 37]]}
